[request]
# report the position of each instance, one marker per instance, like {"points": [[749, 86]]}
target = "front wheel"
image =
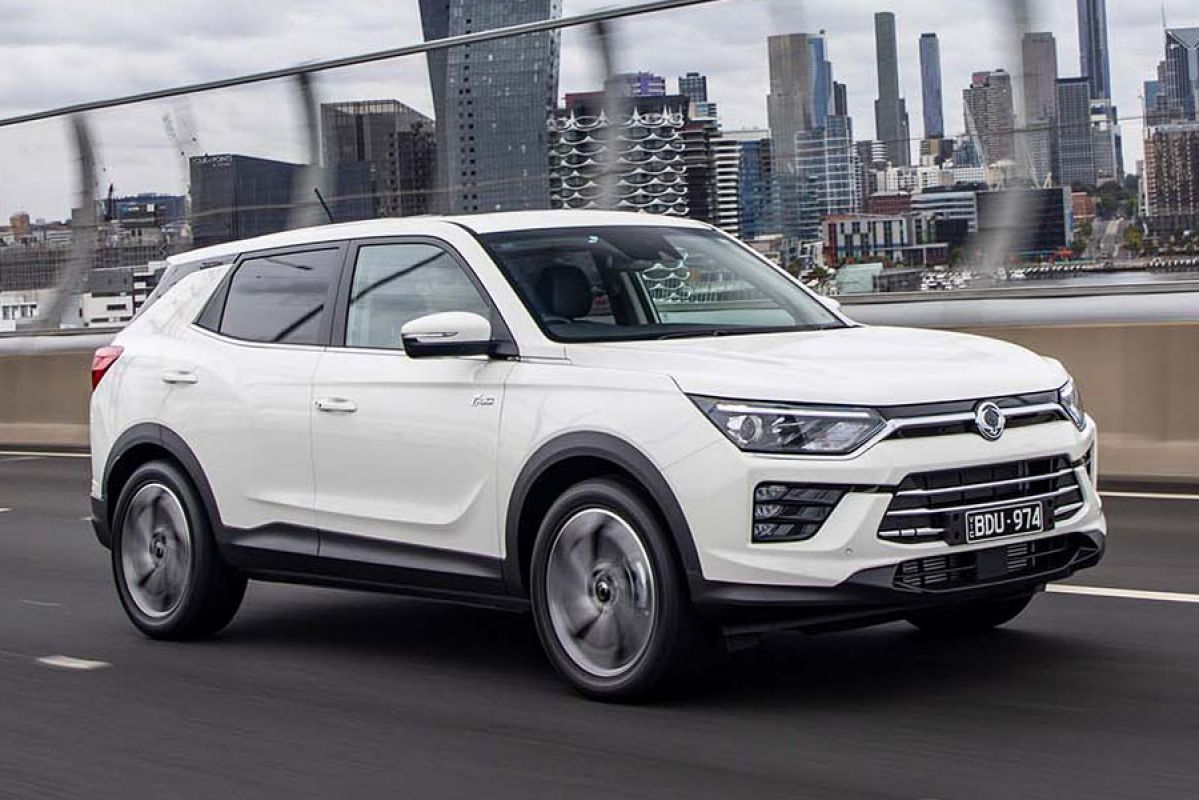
{"points": [[967, 618], [169, 575], [609, 601]]}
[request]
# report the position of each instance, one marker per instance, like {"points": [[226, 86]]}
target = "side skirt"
{"points": [[294, 554]]}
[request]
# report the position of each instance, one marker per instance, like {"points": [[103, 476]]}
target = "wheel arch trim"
{"points": [[165, 439], [605, 447]]}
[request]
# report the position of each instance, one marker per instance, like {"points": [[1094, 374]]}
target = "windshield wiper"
{"points": [[714, 332]]}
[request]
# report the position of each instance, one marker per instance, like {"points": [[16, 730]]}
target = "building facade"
{"points": [[491, 101], [1180, 74], [1034, 142], [1045, 225], [990, 115], [826, 164], [636, 84], [1075, 143], [397, 143], [237, 197], [640, 163], [1171, 177]]}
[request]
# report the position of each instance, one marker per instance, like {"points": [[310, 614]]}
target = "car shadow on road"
{"points": [[878, 666]]}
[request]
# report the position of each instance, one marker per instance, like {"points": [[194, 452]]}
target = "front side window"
{"points": [[282, 299], [609, 283], [396, 283]]}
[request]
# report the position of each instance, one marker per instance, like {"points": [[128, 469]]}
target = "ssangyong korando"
{"points": [[636, 428]]}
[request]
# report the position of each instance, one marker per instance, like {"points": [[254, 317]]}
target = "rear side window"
{"points": [[283, 299]]}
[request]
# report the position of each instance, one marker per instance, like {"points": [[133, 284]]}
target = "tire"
{"points": [[603, 565], [968, 618], [169, 576]]}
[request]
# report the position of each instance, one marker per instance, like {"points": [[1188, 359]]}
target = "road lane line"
{"points": [[41, 604], [67, 662], [1151, 495], [2, 510], [11, 459], [43, 454], [1123, 594]]}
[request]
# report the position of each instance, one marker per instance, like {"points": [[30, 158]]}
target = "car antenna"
{"points": [[316, 190]]}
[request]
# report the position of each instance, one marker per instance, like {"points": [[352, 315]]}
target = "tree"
{"points": [[1134, 239]]}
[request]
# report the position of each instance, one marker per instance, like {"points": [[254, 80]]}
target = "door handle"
{"points": [[336, 405], [178, 376]]}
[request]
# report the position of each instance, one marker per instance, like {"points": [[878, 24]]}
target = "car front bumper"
{"points": [[715, 488]]}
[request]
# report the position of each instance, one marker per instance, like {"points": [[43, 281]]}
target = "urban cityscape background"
{"points": [[1036, 160]]}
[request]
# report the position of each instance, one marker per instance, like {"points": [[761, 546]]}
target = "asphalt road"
{"points": [[321, 694]]}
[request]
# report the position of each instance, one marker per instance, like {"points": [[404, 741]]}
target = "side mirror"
{"points": [[451, 333], [831, 303]]}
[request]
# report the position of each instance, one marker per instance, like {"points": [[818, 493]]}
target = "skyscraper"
{"points": [[828, 180], [492, 137], [890, 110], [1039, 52], [1182, 73], [1075, 142], [990, 117], [930, 86], [1034, 143], [1172, 177], [801, 91], [397, 142], [1092, 47]]}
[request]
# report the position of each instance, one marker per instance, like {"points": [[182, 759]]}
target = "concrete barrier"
{"points": [[1135, 356]]}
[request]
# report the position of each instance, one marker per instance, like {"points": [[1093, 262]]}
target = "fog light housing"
{"points": [[788, 512]]}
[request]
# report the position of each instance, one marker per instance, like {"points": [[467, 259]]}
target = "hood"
{"points": [[869, 366]]}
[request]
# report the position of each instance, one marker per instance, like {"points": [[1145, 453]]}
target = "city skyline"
{"points": [[138, 156]]}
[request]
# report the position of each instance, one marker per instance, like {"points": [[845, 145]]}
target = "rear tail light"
{"points": [[104, 358]]}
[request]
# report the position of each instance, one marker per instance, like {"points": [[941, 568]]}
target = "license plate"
{"points": [[993, 523]]}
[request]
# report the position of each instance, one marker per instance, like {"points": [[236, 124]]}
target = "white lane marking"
{"points": [[43, 454], [1151, 495], [1123, 594], [2, 510], [41, 604], [11, 459], [66, 662]]}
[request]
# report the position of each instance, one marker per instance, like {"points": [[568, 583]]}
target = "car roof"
{"points": [[393, 226]]}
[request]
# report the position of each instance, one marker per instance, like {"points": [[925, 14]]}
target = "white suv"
{"points": [[635, 427]]}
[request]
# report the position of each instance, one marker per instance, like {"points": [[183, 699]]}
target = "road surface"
{"points": [[326, 694]]}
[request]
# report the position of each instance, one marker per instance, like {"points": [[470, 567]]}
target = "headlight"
{"points": [[1071, 400], [806, 430]]}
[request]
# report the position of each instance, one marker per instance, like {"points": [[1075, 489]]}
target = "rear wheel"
{"points": [[609, 602], [967, 618], [169, 575]]}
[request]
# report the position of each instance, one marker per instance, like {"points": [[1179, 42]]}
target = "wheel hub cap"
{"points": [[600, 592], [156, 550]]}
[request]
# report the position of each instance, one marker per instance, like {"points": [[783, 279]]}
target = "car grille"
{"points": [[957, 417], [962, 570], [928, 506]]}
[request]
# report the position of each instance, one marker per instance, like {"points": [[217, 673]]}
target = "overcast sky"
{"points": [[57, 52]]}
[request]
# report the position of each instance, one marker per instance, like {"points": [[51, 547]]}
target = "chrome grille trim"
{"points": [[987, 485], [907, 512]]}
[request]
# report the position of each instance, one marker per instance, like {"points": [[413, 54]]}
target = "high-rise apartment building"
{"points": [[930, 86], [397, 142], [755, 183], [1172, 177], [1181, 74], [491, 103], [990, 116], [1092, 47], [1105, 133], [890, 110], [1075, 143]]}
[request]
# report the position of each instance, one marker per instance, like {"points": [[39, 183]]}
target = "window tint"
{"points": [[396, 283], [282, 298]]}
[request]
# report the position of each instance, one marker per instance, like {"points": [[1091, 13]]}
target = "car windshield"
{"points": [[609, 283]]}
